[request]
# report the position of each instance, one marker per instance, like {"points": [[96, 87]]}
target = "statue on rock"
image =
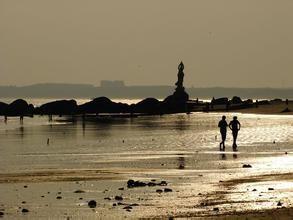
{"points": [[177, 101], [180, 76]]}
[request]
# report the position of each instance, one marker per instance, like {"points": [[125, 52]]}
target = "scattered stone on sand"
{"points": [[1, 213], [59, 197], [168, 190], [152, 184], [199, 194], [118, 198], [127, 207], [216, 209], [132, 183], [114, 204], [286, 152], [120, 203], [220, 181], [254, 190], [24, 210], [163, 183], [159, 191], [121, 188], [279, 203], [23, 202], [107, 198], [79, 191], [153, 180], [247, 166], [270, 188], [59, 193], [25, 186], [92, 204], [134, 204], [80, 198]]}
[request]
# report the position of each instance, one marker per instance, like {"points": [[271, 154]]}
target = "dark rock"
{"points": [[270, 188], [92, 204], [59, 107], [79, 191], [3, 107], [216, 209], [151, 184], [107, 198], [168, 190], [159, 191], [1, 213], [153, 180], [122, 188], [127, 207], [59, 197], [118, 198], [103, 105], [19, 107], [220, 101], [24, 210], [254, 190], [236, 100], [247, 166], [25, 186], [132, 183], [148, 106], [279, 203], [23, 202], [134, 204], [80, 198], [114, 204], [163, 183]]}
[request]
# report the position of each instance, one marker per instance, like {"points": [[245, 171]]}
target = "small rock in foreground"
{"points": [[24, 210], [247, 166], [92, 204]]}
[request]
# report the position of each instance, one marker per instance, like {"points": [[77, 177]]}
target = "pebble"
{"points": [[79, 191], [279, 203], [159, 191], [118, 198], [59, 197], [24, 210], [270, 188], [1, 213], [216, 209], [168, 190], [92, 204], [247, 166]]}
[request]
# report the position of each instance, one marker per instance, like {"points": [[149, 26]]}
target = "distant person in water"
{"points": [[223, 130], [234, 125]]}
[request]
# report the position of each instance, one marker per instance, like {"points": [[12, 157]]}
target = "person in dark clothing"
{"points": [[223, 130], [234, 125]]}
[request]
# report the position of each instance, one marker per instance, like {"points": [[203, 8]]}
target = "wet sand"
{"points": [[54, 182]]}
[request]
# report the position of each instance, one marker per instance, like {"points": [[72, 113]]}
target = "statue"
{"points": [[180, 76]]}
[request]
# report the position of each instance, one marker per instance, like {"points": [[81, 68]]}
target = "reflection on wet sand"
{"points": [[99, 156]]}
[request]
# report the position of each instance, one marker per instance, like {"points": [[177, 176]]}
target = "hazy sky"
{"points": [[239, 43]]}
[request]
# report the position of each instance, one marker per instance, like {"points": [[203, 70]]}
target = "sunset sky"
{"points": [[229, 43]]}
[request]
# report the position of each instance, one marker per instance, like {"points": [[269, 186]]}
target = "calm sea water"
{"points": [[130, 142]]}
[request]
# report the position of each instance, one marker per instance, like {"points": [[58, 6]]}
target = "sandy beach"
{"points": [[95, 161]]}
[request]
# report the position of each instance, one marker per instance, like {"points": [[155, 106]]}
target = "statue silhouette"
{"points": [[180, 75]]}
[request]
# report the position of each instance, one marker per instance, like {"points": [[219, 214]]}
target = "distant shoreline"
{"points": [[57, 91]]}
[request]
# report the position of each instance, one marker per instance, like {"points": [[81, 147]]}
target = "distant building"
{"points": [[110, 83]]}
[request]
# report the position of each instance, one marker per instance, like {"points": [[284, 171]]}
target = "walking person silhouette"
{"points": [[223, 130], [234, 125]]}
